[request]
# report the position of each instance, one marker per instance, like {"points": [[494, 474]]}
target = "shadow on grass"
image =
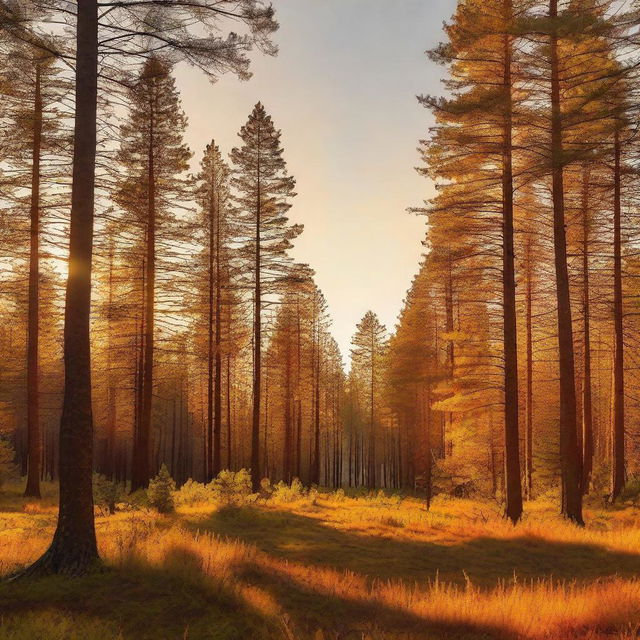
{"points": [[136, 603], [484, 560], [177, 602], [350, 619]]}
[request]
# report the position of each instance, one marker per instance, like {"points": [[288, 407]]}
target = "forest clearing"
{"points": [[319, 320], [323, 565]]}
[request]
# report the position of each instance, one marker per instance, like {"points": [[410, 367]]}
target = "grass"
{"points": [[330, 568]]}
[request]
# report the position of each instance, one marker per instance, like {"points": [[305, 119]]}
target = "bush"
{"points": [[192, 493], [283, 492], [231, 487], [161, 490], [135, 501], [105, 493]]}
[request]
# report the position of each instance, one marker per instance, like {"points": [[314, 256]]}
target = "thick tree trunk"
{"points": [[617, 436], [511, 414], [74, 550], [34, 436], [569, 451]]}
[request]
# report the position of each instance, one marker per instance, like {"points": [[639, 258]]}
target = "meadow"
{"points": [[323, 566]]}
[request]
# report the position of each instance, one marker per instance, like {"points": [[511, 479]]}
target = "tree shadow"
{"points": [[176, 601], [143, 603], [354, 619], [485, 560]]}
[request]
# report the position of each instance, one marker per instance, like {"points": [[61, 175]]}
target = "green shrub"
{"points": [[231, 487], [105, 493], [161, 490], [135, 501], [283, 492], [192, 493]]}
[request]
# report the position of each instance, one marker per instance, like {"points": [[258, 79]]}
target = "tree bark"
{"points": [[217, 391], [428, 472], [617, 437], [569, 452], [34, 436], [257, 351], [229, 425], [511, 414], [529, 402], [211, 348], [288, 427], [73, 550], [587, 402], [140, 472], [315, 471]]}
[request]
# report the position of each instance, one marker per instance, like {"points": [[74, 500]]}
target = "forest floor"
{"points": [[329, 567]]}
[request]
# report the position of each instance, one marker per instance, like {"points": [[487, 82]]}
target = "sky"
{"points": [[343, 91]]}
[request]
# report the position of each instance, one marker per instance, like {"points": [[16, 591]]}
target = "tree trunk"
{"points": [[34, 436], [617, 436], [211, 336], [140, 472], [217, 391], [426, 407], [448, 417], [73, 550], [257, 359], [529, 402], [372, 433], [587, 403], [315, 471], [511, 413], [299, 390], [286, 459], [569, 451], [229, 411]]}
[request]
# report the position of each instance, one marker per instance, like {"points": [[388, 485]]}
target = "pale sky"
{"points": [[342, 90]]}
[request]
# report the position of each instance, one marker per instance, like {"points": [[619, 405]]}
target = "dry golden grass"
{"points": [[333, 568]]}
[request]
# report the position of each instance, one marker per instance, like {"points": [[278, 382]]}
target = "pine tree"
{"points": [[34, 149], [368, 356], [473, 147], [153, 157], [264, 190], [194, 34], [214, 199]]}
